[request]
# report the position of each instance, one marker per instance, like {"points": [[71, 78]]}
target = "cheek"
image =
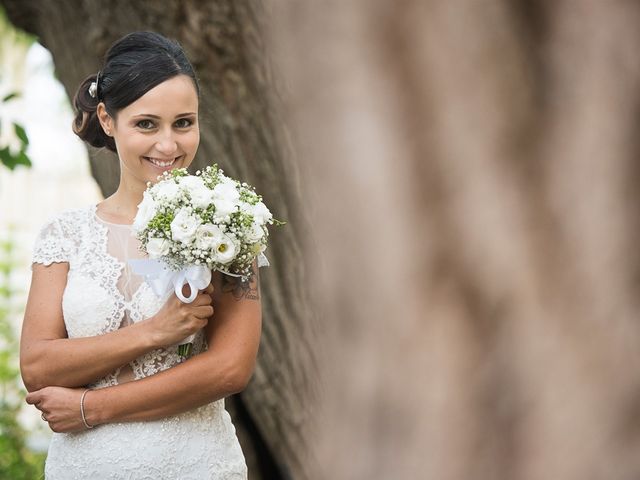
{"points": [[194, 139], [133, 144]]}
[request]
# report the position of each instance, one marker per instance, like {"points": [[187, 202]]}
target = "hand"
{"points": [[60, 407], [177, 320]]}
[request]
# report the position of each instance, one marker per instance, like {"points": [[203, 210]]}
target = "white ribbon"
{"points": [[162, 279]]}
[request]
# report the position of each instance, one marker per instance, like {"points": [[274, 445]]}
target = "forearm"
{"points": [[200, 380], [74, 362], [233, 338]]}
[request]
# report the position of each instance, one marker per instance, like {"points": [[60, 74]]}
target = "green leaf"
{"points": [[11, 161], [7, 159], [22, 134], [10, 96], [23, 159]]}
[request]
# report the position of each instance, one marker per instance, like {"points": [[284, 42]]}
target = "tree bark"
{"points": [[241, 132], [476, 210]]}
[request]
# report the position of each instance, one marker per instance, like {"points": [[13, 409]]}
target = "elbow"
{"points": [[31, 374], [238, 379], [30, 379]]}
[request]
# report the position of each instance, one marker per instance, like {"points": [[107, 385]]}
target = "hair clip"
{"points": [[93, 88]]}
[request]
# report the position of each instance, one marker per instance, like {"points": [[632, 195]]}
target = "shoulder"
{"points": [[67, 221], [58, 238], [66, 225]]}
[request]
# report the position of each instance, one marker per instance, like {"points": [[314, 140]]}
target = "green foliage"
{"points": [[13, 137], [162, 222], [17, 461], [12, 157], [248, 195]]}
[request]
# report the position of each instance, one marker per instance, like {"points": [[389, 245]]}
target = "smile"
{"points": [[162, 163]]}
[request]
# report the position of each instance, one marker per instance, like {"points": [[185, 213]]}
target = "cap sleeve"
{"points": [[51, 244]]}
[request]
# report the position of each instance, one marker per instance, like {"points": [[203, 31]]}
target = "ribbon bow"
{"points": [[162, 279]]}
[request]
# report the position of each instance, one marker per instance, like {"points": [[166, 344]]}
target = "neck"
{"points": [[124, 202]]}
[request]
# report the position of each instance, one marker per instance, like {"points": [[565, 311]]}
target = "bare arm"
{"points": [[49, 358], [233, 335]]}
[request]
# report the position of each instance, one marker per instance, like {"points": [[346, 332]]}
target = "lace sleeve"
{"points": [[52, 245]]}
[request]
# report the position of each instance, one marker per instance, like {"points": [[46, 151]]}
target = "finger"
{"points": [[202, 299], [204, 311], [209, 289], [33, 397]]}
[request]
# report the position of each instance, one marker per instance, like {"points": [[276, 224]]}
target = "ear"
{"points": [[105, 119]]}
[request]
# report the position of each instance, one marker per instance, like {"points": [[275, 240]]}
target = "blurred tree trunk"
{"points": [[476, 209], [239, 131]]}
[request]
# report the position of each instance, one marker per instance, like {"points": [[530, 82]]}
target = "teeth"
{"points": [[160, 163]]}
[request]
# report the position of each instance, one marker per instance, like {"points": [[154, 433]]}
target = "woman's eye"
{"points": [[184, 123], [145, 124]]}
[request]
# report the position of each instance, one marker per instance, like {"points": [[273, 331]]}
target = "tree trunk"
{"points": [[240, 132], [477, 214]]}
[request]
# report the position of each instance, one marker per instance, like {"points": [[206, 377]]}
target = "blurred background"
{"points": [[46, 174], [455, 294]]}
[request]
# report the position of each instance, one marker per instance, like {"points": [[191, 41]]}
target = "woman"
{"points": [[98, 348]]}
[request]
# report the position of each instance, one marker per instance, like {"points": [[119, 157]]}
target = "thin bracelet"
{"points": [[84, 420]]}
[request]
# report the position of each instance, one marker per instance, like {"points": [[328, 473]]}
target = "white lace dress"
{"points": [[102, 295]]}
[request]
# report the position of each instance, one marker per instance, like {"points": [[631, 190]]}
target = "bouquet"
{"points": [[192, 224]]}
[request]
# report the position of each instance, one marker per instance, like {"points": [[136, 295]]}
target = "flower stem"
{"points": [[184, 350]]}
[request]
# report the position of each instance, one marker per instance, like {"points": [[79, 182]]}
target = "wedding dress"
{"points": [[102, 295]]}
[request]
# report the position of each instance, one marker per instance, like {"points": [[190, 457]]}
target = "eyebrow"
{"points": [[158, 118]]}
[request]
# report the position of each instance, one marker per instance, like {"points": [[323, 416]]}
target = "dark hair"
{"points": [[132, 66]]}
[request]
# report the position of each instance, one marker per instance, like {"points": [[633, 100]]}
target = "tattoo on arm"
{"points": [[242, 289]]}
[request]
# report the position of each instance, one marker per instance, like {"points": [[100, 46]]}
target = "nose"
{"points": [[166, 144]]}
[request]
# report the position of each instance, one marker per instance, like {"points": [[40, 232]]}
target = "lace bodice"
{"points": [[102, 295]]}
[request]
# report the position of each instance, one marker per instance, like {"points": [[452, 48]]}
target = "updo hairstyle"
{"points": [[132, 66]]}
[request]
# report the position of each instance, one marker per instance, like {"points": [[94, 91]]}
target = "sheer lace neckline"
{"points": [[94, 209]]}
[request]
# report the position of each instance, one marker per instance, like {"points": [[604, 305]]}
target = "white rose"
{"points": [[226, 190], [184, 226], [225, 249], [191, 182], [166, 190], [224, 207], [208, 236], [255, 233], [158, 247], [261, 213], [201, 196], [146, 211]]}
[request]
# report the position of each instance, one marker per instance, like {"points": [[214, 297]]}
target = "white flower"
{"points": [[225, 249], [226, 190], [245, 207], [208, 236], [261, 213], [184, 226], [146, 211], [191, 182], [256, 233], [158, 247], [166, 190], [224, 207], [201, 196]]}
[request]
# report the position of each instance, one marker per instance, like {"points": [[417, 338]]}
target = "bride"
{"points": [[98, 348]]}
